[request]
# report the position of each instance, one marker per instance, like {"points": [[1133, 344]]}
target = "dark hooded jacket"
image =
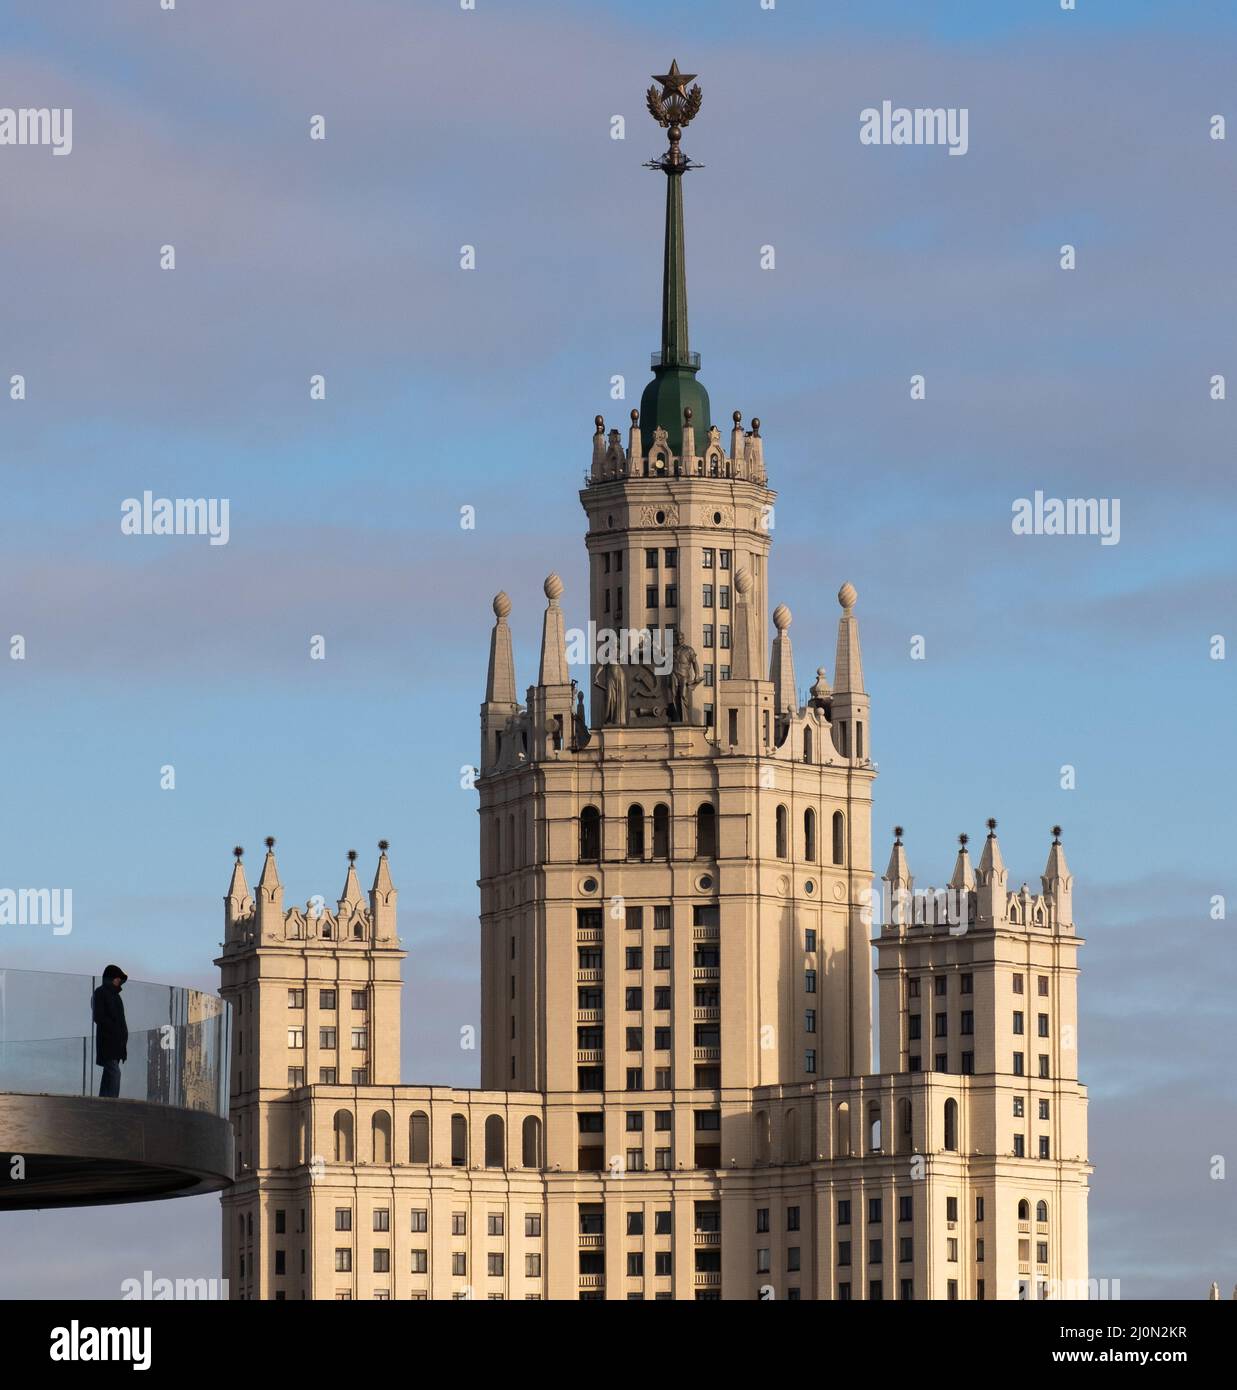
{"points": [[108, 1011]]}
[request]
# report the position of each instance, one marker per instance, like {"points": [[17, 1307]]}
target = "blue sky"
{"points": [[448, 388]]}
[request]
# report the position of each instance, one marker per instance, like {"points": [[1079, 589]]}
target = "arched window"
{"points": [[661, 832], [495, 1147], [839, 838], [343, 1136], [874, 1128], [951, 1124], [762, 1137], [459, 1141], [903, 1137], [807, 745], [809, 835], [706, 832], [1024, 1210], [419, 1137], [635, 832], [842, 1130], [1041, 1212], [790, 1138], [326, 931], [590, 835], [532, 1142], [356, 931], [381, 1132], [782, 817]]}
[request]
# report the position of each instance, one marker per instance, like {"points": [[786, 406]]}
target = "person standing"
{"points": [[111, 1031]]}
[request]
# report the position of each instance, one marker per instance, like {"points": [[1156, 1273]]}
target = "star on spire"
{"points": [[674, 82]]}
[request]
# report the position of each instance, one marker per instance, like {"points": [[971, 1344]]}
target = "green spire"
{"points": [[674, 386]]}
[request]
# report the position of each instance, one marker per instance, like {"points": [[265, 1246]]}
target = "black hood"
{"points": [[111, 971]]}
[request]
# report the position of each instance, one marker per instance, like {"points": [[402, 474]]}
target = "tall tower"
{"points": [[672, 888]]}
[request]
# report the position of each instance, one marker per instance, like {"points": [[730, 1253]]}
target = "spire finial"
{"points": [[992, 827], [352, 856], [672, 108], [384, 845], [1056, 834], [897, 834], [964, 839], [270, 842], [239, 852]]}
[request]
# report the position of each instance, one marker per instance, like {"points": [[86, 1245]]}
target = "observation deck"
{"points": [[167, 1135]]}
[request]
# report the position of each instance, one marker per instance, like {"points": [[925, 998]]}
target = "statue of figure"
{"points": [[684, 678], [613, 680], [580, 723]]}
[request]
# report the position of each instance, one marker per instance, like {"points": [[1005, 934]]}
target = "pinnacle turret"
{"points": [[500, 679], [963, 876], [782, 667], [553, 670]]}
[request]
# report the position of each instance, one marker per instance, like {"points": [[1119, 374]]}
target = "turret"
{"points": [[991, 880], [382, 900], [500, 702], [899, 883], [237, 902], [551, 701], [850, 701], [782, 669], [1058, 883], [270, 897]]}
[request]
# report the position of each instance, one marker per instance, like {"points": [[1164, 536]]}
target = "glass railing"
{"points": [[178, 1049]]}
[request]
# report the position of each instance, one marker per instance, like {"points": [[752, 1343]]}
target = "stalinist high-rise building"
{"points": [[677, 919]]}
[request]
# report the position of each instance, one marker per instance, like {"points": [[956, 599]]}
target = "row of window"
{"points": [[328, 1038], [706, 833], [966, 986], [327, 999], [966, 1064], [966, 1024]]}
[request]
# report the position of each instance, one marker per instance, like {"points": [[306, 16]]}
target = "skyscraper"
{"points": [[677, 915]]}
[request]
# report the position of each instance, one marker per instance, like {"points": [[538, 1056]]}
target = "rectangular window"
{"points": [[708, 635], [723, 597], [951, 1208], [724, 559], [661, 957], [661, 917], [979, 1252], [420, 1262], [843, 1252], [382, 1262], [809, 1020], [906, 1250], [326, 1038], [1043, 1065], [1017, 984], [635, 1039], [635, 1078], [1043, 1109], [874, 1211], [382, 1218], [706, 596], [809, 981], [671, 557], [672, 595], [912, 1028], [967, 1023], [296, 1037], [913, 1064], [360, 1039], [723, 636], [296, 999], [942, 1061], [1020, 1146], [875, 1253], [343, 1260], [635, 1264], [809, 1061], [709, 681], [1044, 1146], [661, 997], [296, 1077], [951, 1290], [966, 987], [706, 557], [459, 1262], [343, 1218], [792, 1259], [1018, 1021], [650, 559], [633, 958], [1041, 1252], [494, 1223], [1042, 985], [762, 1260], [662, 1264], [532, 1224], [635, 999], [939, 985], [661, 1159], [532, 1265], [968, 1064], [1018, 1067], [844, 1212], [650, 596], [661, 1039], [979, 1208], [459, 1223], [941, 1025], [906, 1208], [1018, 1104], [633, 917], [1042, 1020]]}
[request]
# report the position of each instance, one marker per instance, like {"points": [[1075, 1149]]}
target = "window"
{"points": [[670, 557], [967, 1024], [844, 1212], [809, 981], [1017, 984], [723, 598], [1044, 1146], [951, 1135], [875, 1253], [532, 1265], [635, 999], [839, 838], [762, 1260], [635, 1223], [661, 834], [672, 596], [343, 1260], [343, 1218], [1018, 1028], [420, 1219], [1042, 1020], [327, 1038], [809, 1061], [966, 985], [809, 1020], [706, 596], [661, 917], [708, 635], [1043, 1109], [874, 1211], [634, 918], [650, 596], [780, 820], [635, 1264], [843, 1252], [792, 1218], [494, 1223], [809, 938], [906, 1250], [382, 1219], [420, 1262], [906, 1208], [809, 835], [359, 999], [723, 636], [590, 834], [635, 832], [951, 1208], [792, 1259], [1042, 986], [941, 1025], [912, 989], [650, 559], [634, 958], [296, 1077], [459, 1262], [1041, 1212], [968, 1064], [296, 1037], [635, 1078], [459, 1223], [912, 1028], [661, 957], [296, 999], [979, 1252], [762, 1220], [979, 1208], [1043, 1065], [662, 1263], [706, 832], [1020, 1146], [724, 559], [1018, 1067], [382, 1262], [661, 997], [1041, 1252], [706, 557], [661, 1039]]}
